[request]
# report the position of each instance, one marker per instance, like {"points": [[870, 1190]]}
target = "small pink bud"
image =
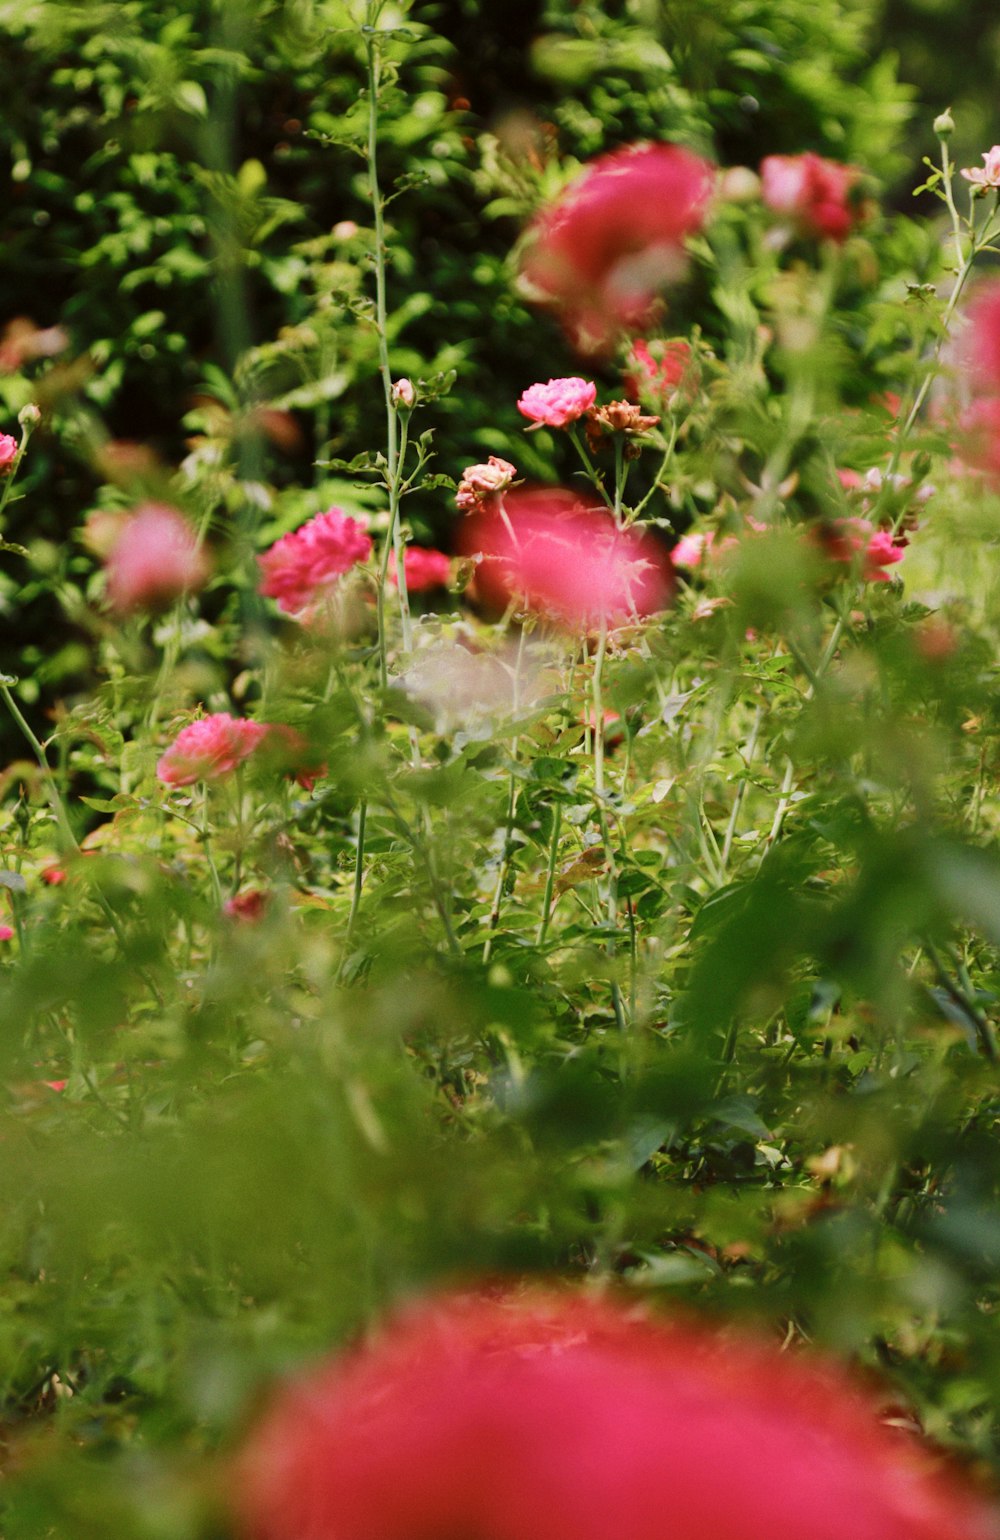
{"points": [[403, 393]]}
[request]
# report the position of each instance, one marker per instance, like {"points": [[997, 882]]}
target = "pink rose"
{"points": [[567, 560], [600, 255], [424, 568], [817, 195], [302, 568], [8, 452], [154, 557], [7, 933], [480, 482], [558, 403], [546, 1416], [209, 748]]}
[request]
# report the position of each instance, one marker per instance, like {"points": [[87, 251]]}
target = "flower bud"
{"points": [[30, 416], [944, 124], [403, 394]]}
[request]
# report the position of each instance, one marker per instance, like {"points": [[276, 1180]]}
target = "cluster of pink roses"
{"points": [[549, 1417]]}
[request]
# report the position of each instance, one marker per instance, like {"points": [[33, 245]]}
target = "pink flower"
{"points": [[691, 549], [54, 876], [568, 560], [979, 428], [558, 403], [55, 1085], [850, 540], [548, 1417], [247, 907], [210, 748], [8, 452], [7, 933], [424, 568], [658, 373], [302, 568], [989, 174], [153, 559], [817, 195], [600, 255], [480, 483], [983, 346], [403, 393]]}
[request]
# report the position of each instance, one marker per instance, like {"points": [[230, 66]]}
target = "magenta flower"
{"points": [[558, 403], [210, 748], [7, 933], [817, 195], [423, 567], [8, 452], [548, 1417], [154, 559], [302, 568], [600, 255], [857, 540]]}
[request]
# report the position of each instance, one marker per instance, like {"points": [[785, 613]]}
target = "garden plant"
{"points": [[499, 892]]}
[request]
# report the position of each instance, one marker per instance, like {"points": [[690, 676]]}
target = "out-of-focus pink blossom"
{"points": [[482, 482], [572, 562], [8, 452], [857, 540], [818, 196], [987, 175], [548, 1417], [7, 933], [53, 876], [424, 568], [600, 255], [248, 907], [559, 402], [153, 559], [659, 372], [210, 748], [55, 1085], [303, 568], [979, 435], [285, 749], [983, 347], [691, 549]]}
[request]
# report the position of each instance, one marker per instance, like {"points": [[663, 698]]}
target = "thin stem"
{"points": [[550, 874], [751, 749], [359, 871]]}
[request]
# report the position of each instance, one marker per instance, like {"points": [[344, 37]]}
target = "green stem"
{"points": [[550, 875]]}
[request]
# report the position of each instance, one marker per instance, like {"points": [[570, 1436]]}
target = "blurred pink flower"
{"points": [[549, 1417], [817, 195], [558, 403], [248, 906], [154, 558], [568, 560], [691, 549], [850, 540], [600, 255], [481, 482], [210, 748], [424, 568], [54, 876], [303, 567], [285, 749], [657, 373], [979, 435], [7, 933], [982, 348], [8, 452], [988, 175]]}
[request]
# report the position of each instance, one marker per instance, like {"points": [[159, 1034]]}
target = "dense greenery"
{"points": [[697, 999]]}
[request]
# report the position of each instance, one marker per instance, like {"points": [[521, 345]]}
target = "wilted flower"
{"points": [[987, 175], [616, 417], [559, 402], [209, 748], [604, 250], [423, 567], [481, 482], [571, 561], [819, 196], [8, 452], [303, 567], [554, 1418], [154, 557]]}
